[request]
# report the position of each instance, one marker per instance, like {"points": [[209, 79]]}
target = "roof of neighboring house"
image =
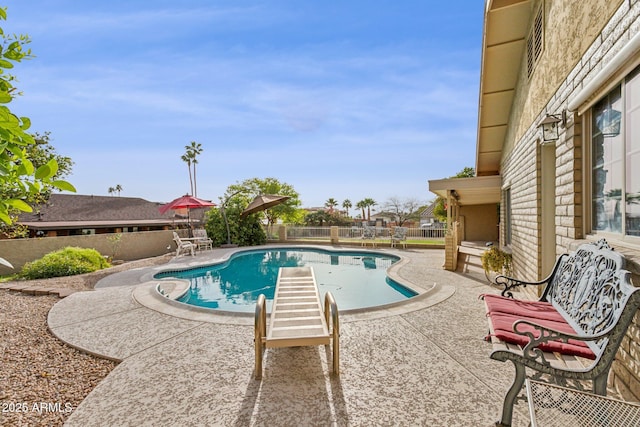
{"points": [[69, 210], [383, 214], [428, 211]]}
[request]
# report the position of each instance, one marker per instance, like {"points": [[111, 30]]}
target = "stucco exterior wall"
{"points": [[580, 37], [564, 48], [485, 222], [132, 246]]}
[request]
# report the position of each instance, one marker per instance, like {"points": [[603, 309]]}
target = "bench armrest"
{"points": [[511, 283], [531, 350]]}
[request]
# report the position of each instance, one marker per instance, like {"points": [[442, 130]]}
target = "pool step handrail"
{"points": [[331, 312], [297, 318]]}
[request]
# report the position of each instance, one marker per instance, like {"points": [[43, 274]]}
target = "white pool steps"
{"points": [[297, 316]]}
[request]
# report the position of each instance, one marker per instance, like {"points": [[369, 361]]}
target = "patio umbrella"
{"points": [[262, 202], [186, 202]]}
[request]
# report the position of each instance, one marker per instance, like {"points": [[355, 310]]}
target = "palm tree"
{"points": [[190, 157], [361, 205], [116, 189], [346, 205], [331, 203], [368, 202], [187, 158], [195, 149]]}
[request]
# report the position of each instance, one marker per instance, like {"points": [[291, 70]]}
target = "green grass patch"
{"points": [[9, 278]]}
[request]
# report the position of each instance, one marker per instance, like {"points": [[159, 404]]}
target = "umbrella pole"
{"points": [[226, 222], [224, 215]]}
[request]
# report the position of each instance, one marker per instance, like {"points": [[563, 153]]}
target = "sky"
{"points": [[340, 99]]}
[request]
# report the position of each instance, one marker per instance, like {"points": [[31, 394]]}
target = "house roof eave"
{"points": [[506, 24], [59, 225], [479, 190]]}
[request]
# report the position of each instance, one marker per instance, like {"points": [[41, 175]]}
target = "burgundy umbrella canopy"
{"points": [[186, 202]]}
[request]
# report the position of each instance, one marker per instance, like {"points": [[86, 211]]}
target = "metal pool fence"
{"points": [[286, 233]]}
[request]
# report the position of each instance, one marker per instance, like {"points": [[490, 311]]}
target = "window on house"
{"points": [[535, 41], [507, 217], [615, 160]]}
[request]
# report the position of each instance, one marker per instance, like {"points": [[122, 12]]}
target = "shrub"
{"points": [[64, 262], [244, 231]]}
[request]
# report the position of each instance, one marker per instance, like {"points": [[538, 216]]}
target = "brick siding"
{"points": [[521, 167]]}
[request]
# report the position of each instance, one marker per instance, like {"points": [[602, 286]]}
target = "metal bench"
{"points": [[572, 333], [297, 317]]}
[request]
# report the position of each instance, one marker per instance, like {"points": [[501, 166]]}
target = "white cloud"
{"points": [[123, 88]]}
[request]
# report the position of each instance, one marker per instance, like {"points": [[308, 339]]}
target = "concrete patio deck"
{"points": [[421, 363]]}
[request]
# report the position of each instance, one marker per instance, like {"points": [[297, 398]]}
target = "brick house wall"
{"points": [[519, 170], [606, 28]]}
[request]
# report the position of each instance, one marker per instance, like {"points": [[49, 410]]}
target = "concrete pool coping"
{"points": [[427, 366]]}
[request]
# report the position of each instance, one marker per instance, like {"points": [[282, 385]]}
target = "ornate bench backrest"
{"points": [[591, 289]]}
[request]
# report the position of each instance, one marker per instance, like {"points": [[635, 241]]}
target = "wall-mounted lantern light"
{"points": [[550, 126]]}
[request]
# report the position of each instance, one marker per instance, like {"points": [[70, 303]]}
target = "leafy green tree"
{"points": [[40, 153], [296, 217], [467, 172], [244, 231], [243, 193], [440, 210], [21, 181], [324, 219], [317, 219]]}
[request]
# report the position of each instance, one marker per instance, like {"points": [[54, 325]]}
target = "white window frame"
{"points": [[588, 170]]}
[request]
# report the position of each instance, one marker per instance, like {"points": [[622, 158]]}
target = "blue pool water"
{"points": [[356, 279]]}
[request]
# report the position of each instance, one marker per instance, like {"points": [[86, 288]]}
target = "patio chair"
{"points": [[202, 239], [368, 234], [183, 245], [399, 236]]}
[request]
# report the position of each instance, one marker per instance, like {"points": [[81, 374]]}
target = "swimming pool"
{"points": [[356, 279]]}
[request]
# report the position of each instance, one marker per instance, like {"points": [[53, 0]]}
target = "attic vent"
{"points": [[535, 42]]}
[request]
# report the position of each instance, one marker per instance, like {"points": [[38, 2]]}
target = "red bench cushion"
{"points": [[503, 312], [534, 309]]}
